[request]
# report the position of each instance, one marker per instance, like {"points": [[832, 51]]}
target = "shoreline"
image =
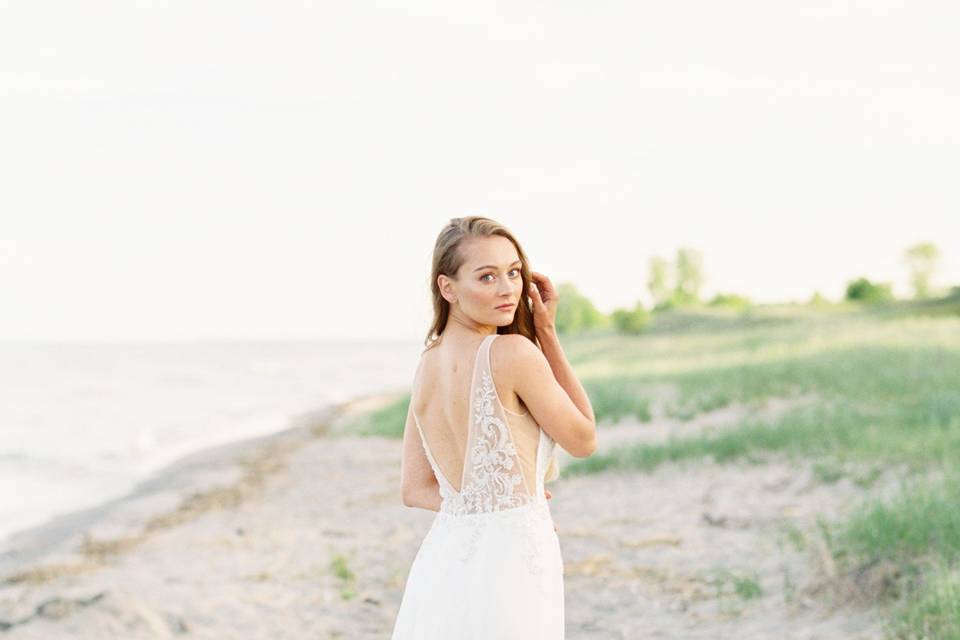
{"points": [[189, 485], [302, 533]]}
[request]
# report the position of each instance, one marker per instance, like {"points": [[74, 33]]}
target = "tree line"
{"points": [[678, 285]]}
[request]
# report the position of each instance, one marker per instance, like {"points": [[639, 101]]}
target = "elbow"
{"points": [[416, 496], [587, 446], [590, 448]]}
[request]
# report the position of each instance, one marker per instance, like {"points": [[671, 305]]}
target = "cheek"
{"points": [[481, 294], [476, 293]]}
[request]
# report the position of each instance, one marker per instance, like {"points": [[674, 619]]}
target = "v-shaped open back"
{"points": [[502, 457], [490, 566]]}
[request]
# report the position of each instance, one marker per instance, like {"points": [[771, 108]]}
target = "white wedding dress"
{"points": [[490, 567]]}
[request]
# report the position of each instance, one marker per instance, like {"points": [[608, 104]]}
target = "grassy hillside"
{"points": [[887, 385]]}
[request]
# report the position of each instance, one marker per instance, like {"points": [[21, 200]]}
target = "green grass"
{"points": [[921, 522], [386, 421], [885, 380], [918, 531], [876, 405], [747, 587], [340, 568], [616, 398], [888, 391], [827, 472], [932, 613], [733, 588]]}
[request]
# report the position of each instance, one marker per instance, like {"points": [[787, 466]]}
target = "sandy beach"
{"points": [[302, 534]]}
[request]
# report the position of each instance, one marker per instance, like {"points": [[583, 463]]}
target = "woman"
{"points": [[492, 394]]}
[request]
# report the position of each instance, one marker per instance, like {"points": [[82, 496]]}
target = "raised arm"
{"points": [[546, 383]]}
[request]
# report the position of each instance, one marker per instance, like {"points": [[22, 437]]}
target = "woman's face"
{"points": [[489, 277]]}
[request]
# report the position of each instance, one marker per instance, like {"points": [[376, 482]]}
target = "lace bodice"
{"points": [[490, 566], [493, 478]]}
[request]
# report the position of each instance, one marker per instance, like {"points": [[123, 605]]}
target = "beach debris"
{"points": [[727, 522], [55, 608], [673, 541]]}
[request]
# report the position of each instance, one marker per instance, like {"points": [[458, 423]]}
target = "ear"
{"points": [[446, 288]]}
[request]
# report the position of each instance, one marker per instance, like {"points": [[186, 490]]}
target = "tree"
{"points": [[631, 321], [732, 300], [862, 290], [575, 312], [678, 284], [921, 259], [659, 280], [689, 269], [818, 299]]}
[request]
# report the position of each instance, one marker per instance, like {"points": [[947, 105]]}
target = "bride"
{"points": [[493, 393]]}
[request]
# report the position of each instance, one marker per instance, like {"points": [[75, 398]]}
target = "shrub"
{"points": [[631, 321], [862, 290]]}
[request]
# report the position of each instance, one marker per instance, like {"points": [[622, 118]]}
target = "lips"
{"points": [[505, 306]]}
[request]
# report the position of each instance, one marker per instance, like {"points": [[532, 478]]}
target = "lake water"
{"points": [[81, 423]]}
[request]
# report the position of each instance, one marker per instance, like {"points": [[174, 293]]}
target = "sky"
{"points": [[280, 170]]}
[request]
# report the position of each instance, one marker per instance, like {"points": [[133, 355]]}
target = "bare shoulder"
{"points": [[528, 373], [515, 353], [512, 347]]}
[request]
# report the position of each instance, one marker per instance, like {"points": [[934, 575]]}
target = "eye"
{"points": [[517, 269]]}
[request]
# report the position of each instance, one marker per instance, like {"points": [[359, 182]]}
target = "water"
{"points": [[81, 423]]}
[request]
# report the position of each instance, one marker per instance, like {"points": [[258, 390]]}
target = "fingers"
{"points": [[541, 281], [550, 495], [542, 294], [535, 296]]}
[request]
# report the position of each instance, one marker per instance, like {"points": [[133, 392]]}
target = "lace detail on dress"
{"points": [[494, 470], [493, 485], [531, 538]]}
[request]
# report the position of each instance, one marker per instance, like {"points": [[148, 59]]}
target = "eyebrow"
{"points": [[491, 266]]}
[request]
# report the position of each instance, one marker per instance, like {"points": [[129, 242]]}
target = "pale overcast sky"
{"points": [[193, 170]]}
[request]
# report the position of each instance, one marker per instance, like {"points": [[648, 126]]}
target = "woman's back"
{"points": [[490, 566], [446, 399], [483, 460]]}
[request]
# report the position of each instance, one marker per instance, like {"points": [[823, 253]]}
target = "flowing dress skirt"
{"points": [[486, 576]]}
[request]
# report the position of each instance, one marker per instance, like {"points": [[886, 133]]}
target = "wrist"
{"points": [[547, 331]]}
